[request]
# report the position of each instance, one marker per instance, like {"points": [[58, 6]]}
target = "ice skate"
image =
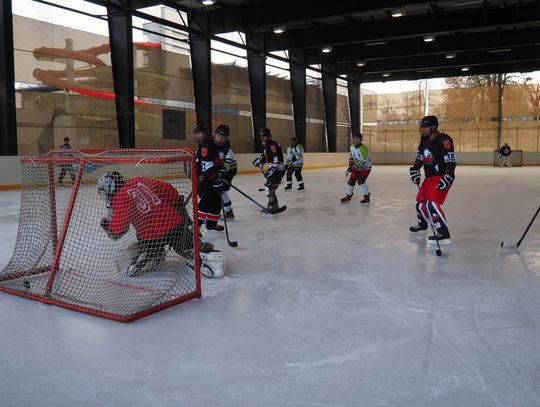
{"points": [[346, 198], [229, 215], [417, 228], [217, 228], [443, 239], [301, 187], [365, 201], [288, 188]]}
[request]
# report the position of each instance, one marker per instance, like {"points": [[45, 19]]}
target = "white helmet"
{"points": [[109, 184]]}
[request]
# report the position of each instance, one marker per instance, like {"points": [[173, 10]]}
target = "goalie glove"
{"points": [[415, 175], [105, 223], [446, 181]]}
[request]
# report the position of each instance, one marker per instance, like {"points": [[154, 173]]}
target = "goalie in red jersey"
{"points": [[156, 211]]}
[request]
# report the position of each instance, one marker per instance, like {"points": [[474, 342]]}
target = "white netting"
{"points": [[63, 255]]}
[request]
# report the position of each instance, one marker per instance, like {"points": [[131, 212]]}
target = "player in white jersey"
{"points": [[228, 171], [359, 170], [294, 164]]}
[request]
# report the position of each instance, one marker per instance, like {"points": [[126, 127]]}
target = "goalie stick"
{"points": [[438, 251], [510, 245], [263, 209], [229, 242]]}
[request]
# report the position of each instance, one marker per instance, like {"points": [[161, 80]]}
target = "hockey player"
{"points": [[228, 171], [294, 164], [210, 185], [64, 168], [436, 154], [359, 170], [272, 156]]}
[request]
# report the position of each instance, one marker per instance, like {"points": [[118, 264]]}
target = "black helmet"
{"points": [[430, 121], [359, 135], [293, 140], [222, 130], [200, 128], [265, 133]]}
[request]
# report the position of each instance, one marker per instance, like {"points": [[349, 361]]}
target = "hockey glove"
{"points": [[351, 162], [269, 173], [446, 181], [105, 223], [258, 162], [219, 187], [415, 175]]}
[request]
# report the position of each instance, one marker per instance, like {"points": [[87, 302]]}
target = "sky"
{"points": [[55, 15]]}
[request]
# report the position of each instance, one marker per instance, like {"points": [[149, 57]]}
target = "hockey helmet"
{"points": [[358, 135], [200, 128], [222, 130], [430, 121], [109, 184], [265, 133]]}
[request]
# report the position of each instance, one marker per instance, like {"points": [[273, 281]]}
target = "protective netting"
{"points": [[122, 260]]}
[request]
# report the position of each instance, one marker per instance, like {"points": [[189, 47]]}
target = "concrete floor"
{"points": [[322, 305]]}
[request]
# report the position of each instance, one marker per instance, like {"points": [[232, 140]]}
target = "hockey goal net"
{"points": [[64, 254]]}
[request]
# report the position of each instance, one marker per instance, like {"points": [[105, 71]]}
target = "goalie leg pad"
{"points": [[213, 264]]}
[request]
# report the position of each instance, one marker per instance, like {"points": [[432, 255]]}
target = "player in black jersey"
{"points": [[436, 154], [272, 156], [210, 161]]}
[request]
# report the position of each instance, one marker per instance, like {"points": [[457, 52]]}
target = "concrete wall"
{"points": [[10, 169]]}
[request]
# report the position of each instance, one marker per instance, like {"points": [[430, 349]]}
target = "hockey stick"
{"points": [[509, 245], [264, 210], [424, 202], [229, 242]]}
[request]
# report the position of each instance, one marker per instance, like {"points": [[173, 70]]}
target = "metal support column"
{"points": [[8, 119], [201, 69], [330, 105], [121, 42], [298, 88], [353, 88], [257, 83]]}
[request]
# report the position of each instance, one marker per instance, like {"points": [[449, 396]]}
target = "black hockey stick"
{"points": [[509, 245], [438, 251], [263, 209], [229, 242]]}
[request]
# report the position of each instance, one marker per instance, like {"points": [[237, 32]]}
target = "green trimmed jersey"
{"points": [[361, 157], [295, 155]]}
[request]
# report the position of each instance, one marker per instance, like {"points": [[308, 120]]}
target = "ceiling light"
{"points": [[386, 74], [429, 38], [451, 55], [495, 51], [467, 3], [361, 63], [326, 50], [425, 70], [208, 2], [371, 44], [397, 12], [280, 29], [465, 68]]}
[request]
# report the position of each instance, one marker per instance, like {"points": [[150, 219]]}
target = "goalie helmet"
{"points": [[109, 184], [430, 121]]}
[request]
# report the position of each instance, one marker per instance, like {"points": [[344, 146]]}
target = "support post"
{"points": [[298, 89], [201, 65], [8, 118], [330, 105], [121, 42], [257, 84]]}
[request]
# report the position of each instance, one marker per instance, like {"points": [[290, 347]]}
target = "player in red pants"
{"points": [[436, 154]]}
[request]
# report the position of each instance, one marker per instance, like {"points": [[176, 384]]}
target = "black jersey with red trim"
{"points": [[437, 155], [273, 155], [210, 158]]}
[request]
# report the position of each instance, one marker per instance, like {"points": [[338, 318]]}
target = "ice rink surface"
{"points": [[322, 305]]}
